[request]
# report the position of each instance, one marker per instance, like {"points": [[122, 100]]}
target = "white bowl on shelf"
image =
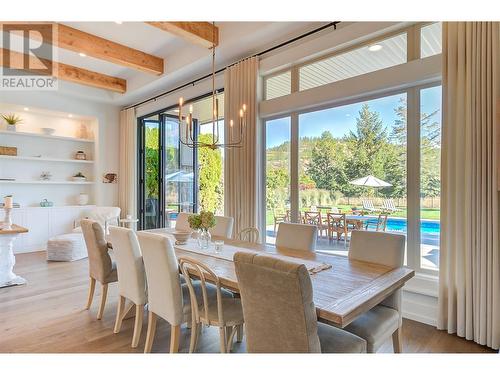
{"points": [[48, 131], [79, 178]]}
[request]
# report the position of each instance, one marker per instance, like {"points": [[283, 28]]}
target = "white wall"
{"points": [[107, 139]]}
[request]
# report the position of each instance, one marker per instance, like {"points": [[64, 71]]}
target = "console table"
{"points": [[7, 259]]}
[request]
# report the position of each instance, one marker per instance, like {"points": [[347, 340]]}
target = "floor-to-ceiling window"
{"points": [[430, 176], [352, 160], [277, 175], [371, 158]]}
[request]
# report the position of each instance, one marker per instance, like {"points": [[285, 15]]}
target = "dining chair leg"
{"points": [[232, 332], [139, 313], [175, 335], [91, 293], [119, 314], [397, 341], [239, 333], [195, 327], [104, 295], [222, 334], [150, 334], [129, 311]]}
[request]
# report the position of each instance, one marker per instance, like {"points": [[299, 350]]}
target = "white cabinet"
{"points": [[42, 224]]}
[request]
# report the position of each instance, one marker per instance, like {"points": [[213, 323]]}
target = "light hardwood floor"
{"points": [[47, 315]]}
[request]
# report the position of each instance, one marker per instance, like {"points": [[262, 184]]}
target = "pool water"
{"points": [[400, 225]]}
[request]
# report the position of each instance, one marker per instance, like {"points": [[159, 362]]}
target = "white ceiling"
{"points": [[183, 61]]}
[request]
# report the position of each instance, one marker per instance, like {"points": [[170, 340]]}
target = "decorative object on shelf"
{"points": [[110, 178], [10, 151], [83, 199], [7, 206], [14, 205], [46, 203], [80, 155], [45, 176], [48, 131], [12, 120], [202, 222], [83, 131], [189, 137], [79, 177]]}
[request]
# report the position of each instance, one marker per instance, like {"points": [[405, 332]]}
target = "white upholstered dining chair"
{"points": [[297, 236], [131, 278], [223, 227], [384, 320], [101, 267], [164, 288], [279, 312]]}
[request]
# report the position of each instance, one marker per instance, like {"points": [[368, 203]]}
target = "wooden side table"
{"points": [[7, 258]]}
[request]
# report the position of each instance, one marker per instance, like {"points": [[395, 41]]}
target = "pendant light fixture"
{"points": [[236, 131]]}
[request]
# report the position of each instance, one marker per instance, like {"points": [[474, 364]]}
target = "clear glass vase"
{"points": [[204, 238]]}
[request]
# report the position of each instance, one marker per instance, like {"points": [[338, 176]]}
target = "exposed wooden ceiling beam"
{"points": [[201, 33], [79, 41], [100, 48], [66, 72]]}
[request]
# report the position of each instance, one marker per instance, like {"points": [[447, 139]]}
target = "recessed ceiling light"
{"points": [[70, 115], [375, 47], [26, 109], [82, 54], [118, 22]]}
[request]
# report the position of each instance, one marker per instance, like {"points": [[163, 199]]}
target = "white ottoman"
{"points": [[66, 247]]}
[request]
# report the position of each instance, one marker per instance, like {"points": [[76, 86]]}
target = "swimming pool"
{"points": [[429, 234], [400, 225]]}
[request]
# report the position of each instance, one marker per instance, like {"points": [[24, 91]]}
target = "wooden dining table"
{"points": [[342, 292]]}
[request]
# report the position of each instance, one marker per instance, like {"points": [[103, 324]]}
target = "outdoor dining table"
{"points": [[358, 221], [343, 288]]}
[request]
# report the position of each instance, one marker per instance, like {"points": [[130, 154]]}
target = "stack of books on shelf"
{"points": [[14, 205]]}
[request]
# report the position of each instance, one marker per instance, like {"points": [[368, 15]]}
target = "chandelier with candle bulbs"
{"points": [[235, 132]]}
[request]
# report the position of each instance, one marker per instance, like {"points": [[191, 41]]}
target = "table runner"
{"points": [[228, 252]]}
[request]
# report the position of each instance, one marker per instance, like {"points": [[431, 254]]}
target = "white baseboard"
{"points": [[420, 307], [31, 248]]}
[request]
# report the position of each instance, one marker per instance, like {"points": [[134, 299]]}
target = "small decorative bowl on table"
{"points": [[181, 237]]}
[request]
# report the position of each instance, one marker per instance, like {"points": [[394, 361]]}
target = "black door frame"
{"points": [[141, 159]]}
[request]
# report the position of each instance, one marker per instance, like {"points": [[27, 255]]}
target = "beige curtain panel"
{"points": [[127, 164], [240, 169], [469, 290]]}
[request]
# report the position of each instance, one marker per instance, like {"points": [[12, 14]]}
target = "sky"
{"points": [[340, 120]]}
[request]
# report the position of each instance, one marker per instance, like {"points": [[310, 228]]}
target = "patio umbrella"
{"points": [[370, 181], [180, 176]]}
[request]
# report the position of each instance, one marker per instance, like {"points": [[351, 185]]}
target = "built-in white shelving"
{"points": [[34, 158], [39, 153], [47, 182], [39, 135]]}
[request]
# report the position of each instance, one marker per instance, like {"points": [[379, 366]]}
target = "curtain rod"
{"points": [[193, 82]]}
